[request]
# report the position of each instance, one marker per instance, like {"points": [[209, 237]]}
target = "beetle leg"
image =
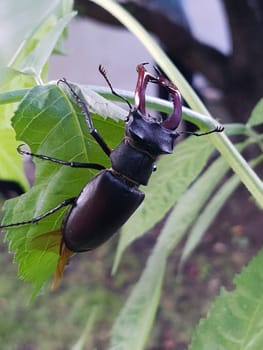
{"points": [[94, 133], [66, 202], [59, 161]]}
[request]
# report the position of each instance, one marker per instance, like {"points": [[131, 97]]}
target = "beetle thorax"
{"points": [[144, 141]]}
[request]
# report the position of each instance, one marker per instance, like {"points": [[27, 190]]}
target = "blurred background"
{"points": [[218, 46], [93, 40]]}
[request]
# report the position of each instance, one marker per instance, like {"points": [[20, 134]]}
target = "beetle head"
{"points": [[154, 136], [148, 135]]}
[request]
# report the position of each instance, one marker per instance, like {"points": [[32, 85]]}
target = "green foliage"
{"points": [[174, 174], [19, 21], [235, 318], [256, 115], [184, 187], [11, 164], [136, 317], [138, 314]]}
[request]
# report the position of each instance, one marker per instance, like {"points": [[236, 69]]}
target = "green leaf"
{"points": [[98, 104], [208, 215], [234, 321], [17, 19], [11, 166], [83, 340], [47, 121], [33, 52], [11, 163], [174, 174], [131, 328], [213, 176], [256, 117], [35, 61]]}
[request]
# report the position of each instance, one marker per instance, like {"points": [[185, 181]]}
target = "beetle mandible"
{"points": [[112, 196]]}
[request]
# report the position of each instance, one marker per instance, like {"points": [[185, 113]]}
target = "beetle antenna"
{"points": [[219, 128], [104, 74]]}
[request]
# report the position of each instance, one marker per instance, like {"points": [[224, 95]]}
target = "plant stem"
{"points": [[12, 96]]}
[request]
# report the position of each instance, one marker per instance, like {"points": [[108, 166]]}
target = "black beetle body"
{"points": [[112, 196], [103, 206]]}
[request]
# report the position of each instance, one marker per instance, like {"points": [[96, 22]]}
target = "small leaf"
{"points": [[83, 340], [208, 215], [11, 163], [216, 203], [256, 117], [132, 327], [17, 19], [35, 61], [28, 52], [234, 321]]}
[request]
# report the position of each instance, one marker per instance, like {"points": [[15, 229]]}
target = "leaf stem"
{"points": [[12, 96]]}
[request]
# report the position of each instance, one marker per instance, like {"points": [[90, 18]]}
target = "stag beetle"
{"points": [[111, 197]]}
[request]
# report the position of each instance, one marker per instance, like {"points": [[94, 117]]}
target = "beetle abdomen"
{"points": [[103, 206]]}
